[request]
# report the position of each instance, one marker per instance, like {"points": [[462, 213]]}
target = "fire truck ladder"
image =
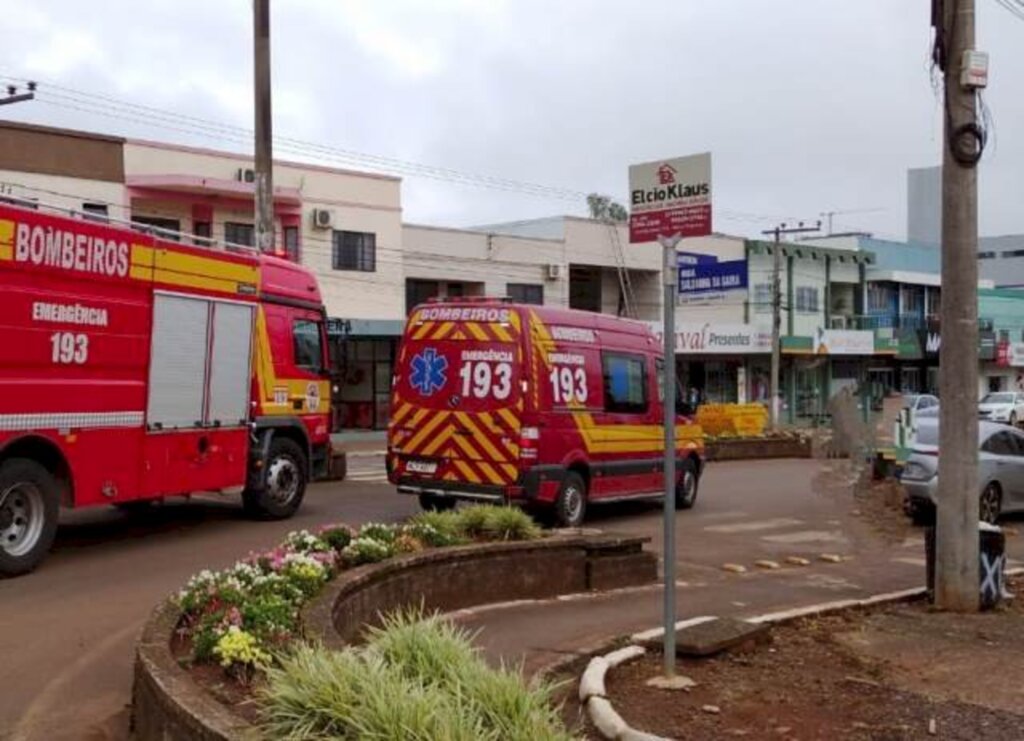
{"points": [[628, 297]]}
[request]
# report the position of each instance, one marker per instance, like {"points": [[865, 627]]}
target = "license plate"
{"points": [[421, 466]]}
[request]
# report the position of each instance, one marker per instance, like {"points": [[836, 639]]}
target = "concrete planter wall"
{"points": [[168, 704], [752, 448]]}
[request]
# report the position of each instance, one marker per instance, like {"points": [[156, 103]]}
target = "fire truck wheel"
{"points": [[432, 503], [29, 504], [571, 504], [286, 482], [686, 489]]}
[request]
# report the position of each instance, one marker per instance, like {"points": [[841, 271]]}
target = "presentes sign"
{"points": [[670, 197], [694, 338]]}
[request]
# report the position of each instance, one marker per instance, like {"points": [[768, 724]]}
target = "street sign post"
{"points": [[670, 199]]}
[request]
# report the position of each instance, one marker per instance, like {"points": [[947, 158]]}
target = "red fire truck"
{"points": [[134, 368]]}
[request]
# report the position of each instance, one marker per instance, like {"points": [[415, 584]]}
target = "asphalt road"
{"points": [[67, 631]]}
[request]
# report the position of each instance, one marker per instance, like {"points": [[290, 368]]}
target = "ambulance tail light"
{"points": [[529, 437]]}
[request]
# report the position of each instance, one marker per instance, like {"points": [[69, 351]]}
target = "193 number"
{"points": [[568, 385], [69, 348], [481, 379]]}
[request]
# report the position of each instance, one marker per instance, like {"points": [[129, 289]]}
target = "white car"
{"points": [[1002, 406]]}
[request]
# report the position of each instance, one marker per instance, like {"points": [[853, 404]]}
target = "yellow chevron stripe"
{"points": [[467, 448], [501, 332], [6, 239], [431, 425], [477, 331], [450, 477], [489, 423], [467, 471], [438, 441], [403, 409], [511, 472], [423, 330], [509, 446], [443, 330], [493, 476], [510, 419], [480, 437]]}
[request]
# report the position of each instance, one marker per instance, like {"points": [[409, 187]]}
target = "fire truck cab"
{"points": [[134, 368], [534, 405]]}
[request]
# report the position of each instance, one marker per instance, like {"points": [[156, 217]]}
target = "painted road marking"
{"points": [[752, 527], [807, 536]]}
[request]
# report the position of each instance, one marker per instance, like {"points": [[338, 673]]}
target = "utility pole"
{"points": [[956, 567], [13, 96], [264, 165], [777, 233]]}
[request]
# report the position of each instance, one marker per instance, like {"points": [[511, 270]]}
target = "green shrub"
{"points": [[435, 529], [473, 519], [367, 550], [336, 536], [415, 679], [510, 523], [378, 531]]}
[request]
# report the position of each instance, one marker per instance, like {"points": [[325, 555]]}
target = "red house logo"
{"points": [[666, 174]]}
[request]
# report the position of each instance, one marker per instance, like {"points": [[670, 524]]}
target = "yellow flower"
{"points": [[237, 646]]}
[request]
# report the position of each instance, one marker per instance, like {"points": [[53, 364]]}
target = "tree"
{"points": [[603, 208]]}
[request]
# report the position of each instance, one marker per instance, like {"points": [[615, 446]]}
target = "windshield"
{"points": [[997, 399]]}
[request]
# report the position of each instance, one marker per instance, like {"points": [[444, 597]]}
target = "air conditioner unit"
{"points": [[245, 175], [837, 322], [322, 218], [555, 271]]}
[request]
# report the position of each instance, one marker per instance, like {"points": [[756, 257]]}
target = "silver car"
{"points": [[1000, 471]]}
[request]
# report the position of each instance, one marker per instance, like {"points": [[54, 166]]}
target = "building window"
{"points": [[355, 251], [308, 349], [291, 243], [237, 233], [158, 226], [625, 383], [807, 299], [986, 255], [419, 292], [95, 212], [525, 293], [763, 298], [203, 233], [1013, 253]]}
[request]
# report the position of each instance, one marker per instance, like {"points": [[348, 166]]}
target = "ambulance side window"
{"points": [[308, 350], [625, 383]]}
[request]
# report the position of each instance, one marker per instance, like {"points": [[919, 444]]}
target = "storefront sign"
{"points": [[670, 197], [844, 342], [1015, 354], [705, 275], [719, 339], [930, 342]]}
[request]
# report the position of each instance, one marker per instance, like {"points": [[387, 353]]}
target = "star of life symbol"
{"points": [[428, 372]]}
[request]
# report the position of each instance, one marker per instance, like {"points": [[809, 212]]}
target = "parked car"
{"points": [[1000, 471], [1002, 406], [921, 403]]}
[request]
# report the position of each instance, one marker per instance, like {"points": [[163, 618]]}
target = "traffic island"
{"points": [[203, 657], [886, 670]]}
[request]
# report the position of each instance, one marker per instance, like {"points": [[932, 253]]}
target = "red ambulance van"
{"points": [[532, 405]]}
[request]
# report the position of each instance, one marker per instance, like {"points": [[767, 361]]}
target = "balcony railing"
{"points": [[897, 321]]}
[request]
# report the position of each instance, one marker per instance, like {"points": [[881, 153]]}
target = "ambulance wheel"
{"points": [[286, 474], [434, 503], [29, 505], [571, 503], [686, 488]]}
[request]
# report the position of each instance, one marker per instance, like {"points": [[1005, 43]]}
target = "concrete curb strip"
{"points": [[609, 723], [647, 635], [592, 681]]}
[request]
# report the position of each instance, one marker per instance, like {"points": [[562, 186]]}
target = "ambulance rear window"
{"points": [[625, 383]]}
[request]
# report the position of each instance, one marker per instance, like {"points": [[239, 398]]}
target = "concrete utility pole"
{"points": [[264, 131], [777, 233], [13, 96], [956, 568]]}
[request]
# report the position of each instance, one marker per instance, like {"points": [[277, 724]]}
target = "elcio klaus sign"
{"points": [[670, 197]]}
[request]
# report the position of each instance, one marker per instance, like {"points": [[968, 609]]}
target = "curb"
{"points": [[611, 725]]}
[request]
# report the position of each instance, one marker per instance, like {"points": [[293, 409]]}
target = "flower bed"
{"points": [[241, 617]]}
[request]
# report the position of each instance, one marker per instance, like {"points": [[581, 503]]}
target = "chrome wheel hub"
{"points": [[573, 503], [283, 480], [21, 519]]}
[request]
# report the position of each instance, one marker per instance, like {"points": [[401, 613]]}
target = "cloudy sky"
{"points": [[807, 107]]}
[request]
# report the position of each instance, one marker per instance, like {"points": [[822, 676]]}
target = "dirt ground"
{"points": [[897, 672]]}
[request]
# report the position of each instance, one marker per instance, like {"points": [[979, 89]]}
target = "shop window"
{"points": [[355, 251], [625, 383], [243, 234], [763, 298], [807, 299], [525, 293]]}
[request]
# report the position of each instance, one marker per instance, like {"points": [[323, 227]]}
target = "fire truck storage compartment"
{"points": [[199, 363]]}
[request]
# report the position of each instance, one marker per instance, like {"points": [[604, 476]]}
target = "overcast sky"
{"points": [[806, 107]]}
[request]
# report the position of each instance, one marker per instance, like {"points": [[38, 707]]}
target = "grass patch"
{"points": [[417, 678]]}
